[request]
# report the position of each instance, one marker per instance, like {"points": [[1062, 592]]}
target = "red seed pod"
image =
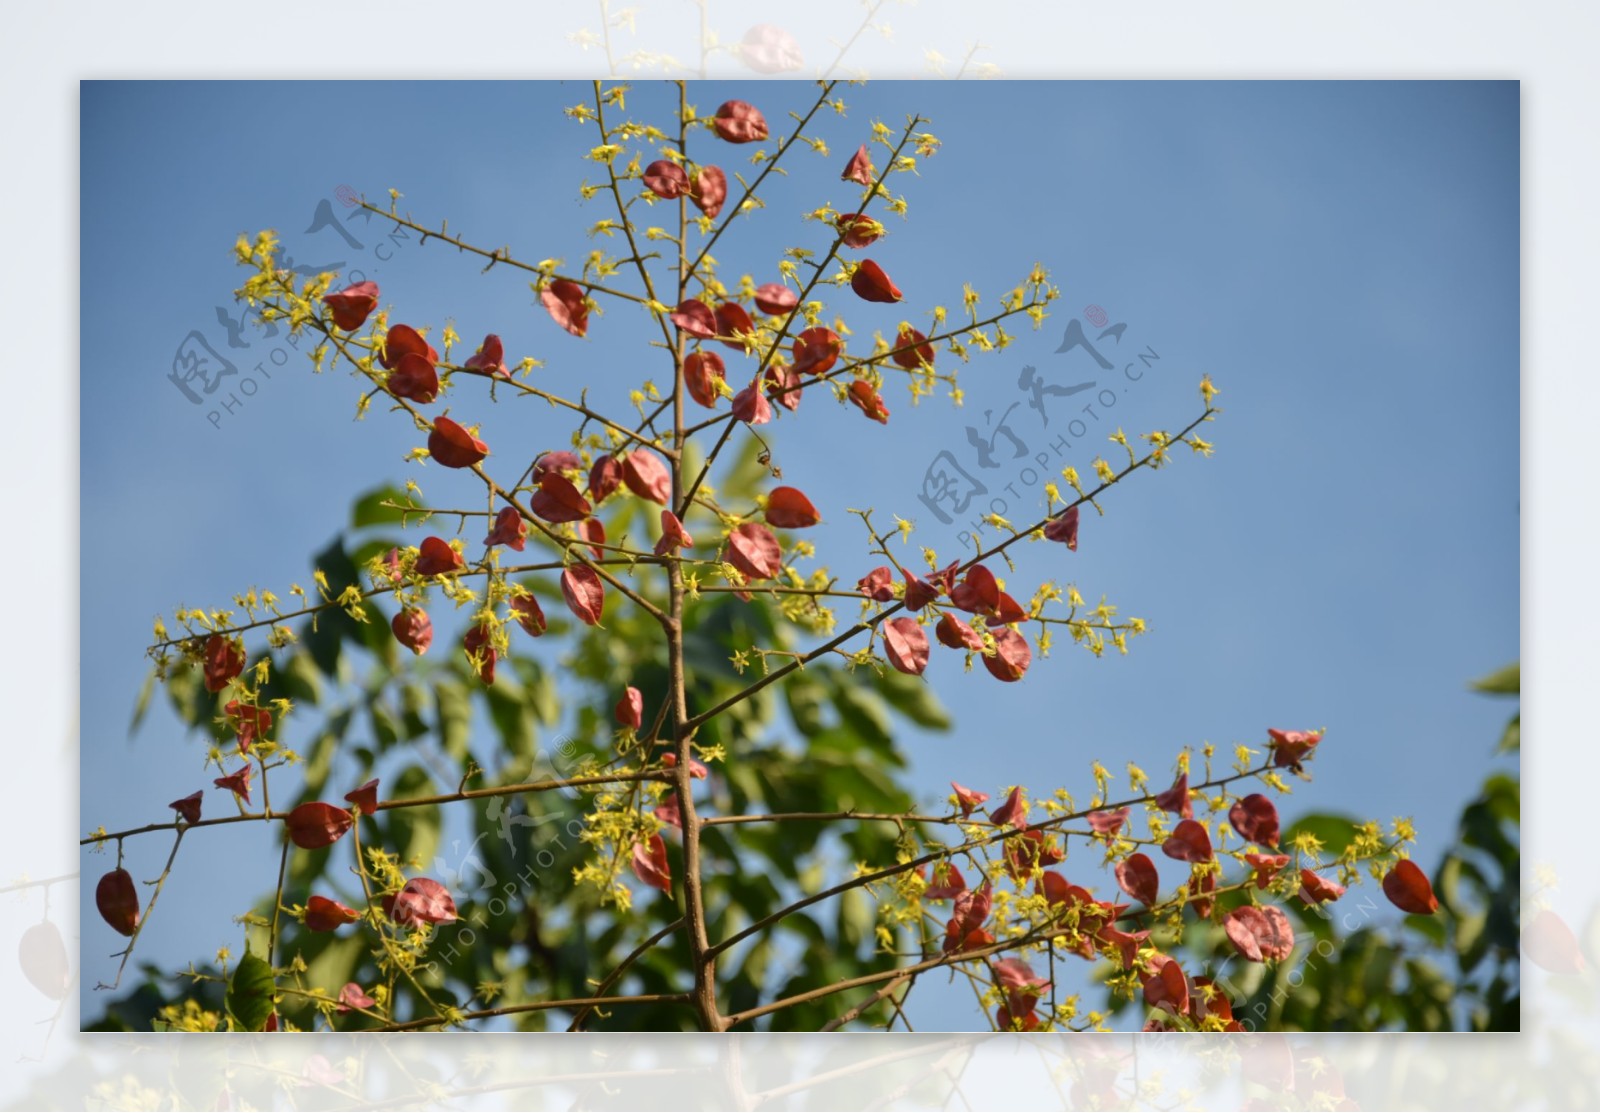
{"points": [[435, 557], [1168, 988], [413, 377], [1316, 889], [816, 350], [751, 406], [564, 301], [1256, 819], [877, 584], [509, 530], [402, 340], [739, 121], [1012, 812], [454, 447], [865, 396], [647, 477], [118, 901], [604, 478], [709, 190], [490, 358], [327, 914], [1260, 932], [365, 797], [906, 644], [666, 179], [413, 629], [1176, 799], [913, 349], [733, 321], [858, 229], [529, 615], [775, 299], [352, 305], [630, 708], [237, 782], [188, 807], [695, 317], [557, 500], [701, 372], [754, 551], [871, 283], [481, 653], [1137, 876], [650, 863], [584, 593], [1064, 528], [314, 825], [1189, 842], [422, 899], [673, 535], [788, 508], [967, 799], [957, 635], [1409, 890], [859, 169], [224, 660]]}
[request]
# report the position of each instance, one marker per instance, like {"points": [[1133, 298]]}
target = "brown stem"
{"points": [[409, 802], [856, 1010], [498, 255], [531, 1007], [785, 817], [704, 969], [869, 623], [945, 852], [877, 360], [149, 909], [788, 322], [622, 968], [750, 190]]}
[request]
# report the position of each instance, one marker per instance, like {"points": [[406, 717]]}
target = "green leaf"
{"points": [[1505, 682], [913, 697], [142, 704], [1472, 941], [250, 990], [386, 725], [857, 919], [413, 833], [806, 699], [508, 709], [455, 717], [369, 510], [1511, 740], [863, 714], [1334, 831], [301, 680]]}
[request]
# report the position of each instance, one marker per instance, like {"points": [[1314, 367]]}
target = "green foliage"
{"points": [[1457, 969], [250, 990], [426, 724]]}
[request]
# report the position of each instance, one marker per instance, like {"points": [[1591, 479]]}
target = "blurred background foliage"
{"points": [[527, 931], [1456, 970]]}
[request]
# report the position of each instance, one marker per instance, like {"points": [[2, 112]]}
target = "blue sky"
{"points": [[1341, 257]]}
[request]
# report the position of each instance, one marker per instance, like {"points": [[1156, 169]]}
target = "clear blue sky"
{"points": [[1341, 257]]}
